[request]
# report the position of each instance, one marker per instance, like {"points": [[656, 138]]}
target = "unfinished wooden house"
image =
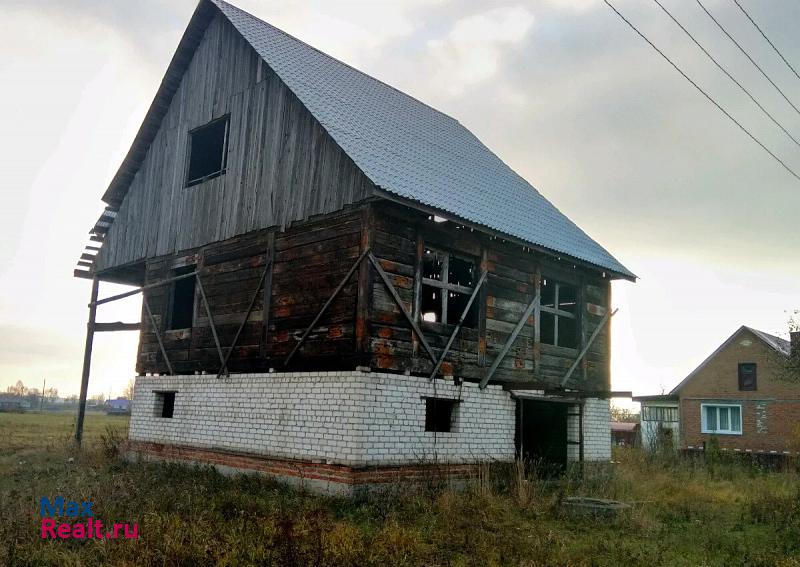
{"points": [[340, 283]]}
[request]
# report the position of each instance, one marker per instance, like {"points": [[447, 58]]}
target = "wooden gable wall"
{"points": [[282, 166]]}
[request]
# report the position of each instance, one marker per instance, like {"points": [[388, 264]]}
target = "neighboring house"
{"points": [[659, 421], [343, 284], [740, 395], [118, 406], [624, 434]]}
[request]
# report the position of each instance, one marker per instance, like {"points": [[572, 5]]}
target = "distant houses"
{"points": [[118, 406], [739, 396], [14, 403]]}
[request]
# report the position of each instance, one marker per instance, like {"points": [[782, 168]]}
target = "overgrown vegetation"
{"points": [[682, 512]]}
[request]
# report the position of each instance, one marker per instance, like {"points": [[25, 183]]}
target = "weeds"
{"points": [[683, 512]]}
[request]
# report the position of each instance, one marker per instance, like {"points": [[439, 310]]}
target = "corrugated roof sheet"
{"points": [[781, 345], [413, 151]]}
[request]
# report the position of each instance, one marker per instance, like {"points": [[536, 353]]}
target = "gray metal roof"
{"points": [[414, 151], [781, 345]]}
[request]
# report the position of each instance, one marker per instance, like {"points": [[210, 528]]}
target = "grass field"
{"points": [[682, 513]]}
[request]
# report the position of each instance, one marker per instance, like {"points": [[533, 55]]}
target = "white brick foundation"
{"points": [[596, 431], [346, 418]]}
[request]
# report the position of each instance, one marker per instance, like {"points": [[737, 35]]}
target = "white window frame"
{"points": [[704, 425]]}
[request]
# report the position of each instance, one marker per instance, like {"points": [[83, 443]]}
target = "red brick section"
{"points": [[719, 381], [306, 469]]}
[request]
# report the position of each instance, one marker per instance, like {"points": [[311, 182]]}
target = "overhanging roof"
{"points": [[403, 146]]}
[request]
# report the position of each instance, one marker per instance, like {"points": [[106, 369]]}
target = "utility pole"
{"points": [[41, 401]]}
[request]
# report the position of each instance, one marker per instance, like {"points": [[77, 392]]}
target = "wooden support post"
{"points": [[246, 317], [87, 361], [211, 321], [506, 347], [588, 345], [393, 292], [364, 295], [417, 301], [268, 295], [326, 305], [482, 308], [157, 332], [461, 319]]}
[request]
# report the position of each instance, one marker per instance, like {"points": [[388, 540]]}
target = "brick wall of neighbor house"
{"points": [[770, 415], [596, 431], [345, 418]]}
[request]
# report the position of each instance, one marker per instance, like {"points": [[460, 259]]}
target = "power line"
{"points": [[772, 45], [731, 77], [746, 54], [704, 93]]}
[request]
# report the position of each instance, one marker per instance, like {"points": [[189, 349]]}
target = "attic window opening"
{"points": [[182, 309], [447, 284], [747, 377], [208, 149], [440, 414], [558, 317]]}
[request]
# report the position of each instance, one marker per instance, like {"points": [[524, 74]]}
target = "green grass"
{"points": [[681, 514]]}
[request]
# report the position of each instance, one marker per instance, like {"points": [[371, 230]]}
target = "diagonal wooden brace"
{"points": [[521, 323], [393, 292], [211, 321], [327, 304], [224, 368], [458, 326], [586, 348], [157, 332]]}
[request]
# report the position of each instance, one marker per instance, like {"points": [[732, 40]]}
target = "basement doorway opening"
{"points": [[542, 436]]}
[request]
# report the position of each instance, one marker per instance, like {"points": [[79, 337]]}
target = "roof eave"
{"points": [[614, 274]]}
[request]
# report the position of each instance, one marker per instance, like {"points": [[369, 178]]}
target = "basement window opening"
{"points": [[747, 377], [165, 404], [208, 149], [447, 284], [558, 318], [182, 309], [440, 415]]}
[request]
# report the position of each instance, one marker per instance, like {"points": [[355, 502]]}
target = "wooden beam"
{"points": [[587, 346], [157, 333], [393, 292], [417, 296], [87, 360], [246, 317], [144, 288], [521, 323], [363, 297], [461, 319], [326, 305], [211, 321], [118, 326], [85, 274]]}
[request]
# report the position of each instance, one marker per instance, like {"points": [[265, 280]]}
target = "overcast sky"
{"points": [[561, 90]]}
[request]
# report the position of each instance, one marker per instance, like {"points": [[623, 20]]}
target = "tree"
{"points": [[127, 393], [624, 414], [18, 389], [793, 362]]}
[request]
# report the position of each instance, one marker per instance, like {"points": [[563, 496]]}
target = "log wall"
{"points": [[364, 325]]}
